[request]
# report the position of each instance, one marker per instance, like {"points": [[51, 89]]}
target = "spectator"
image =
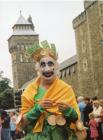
{"points": [[93, 127], [0, 128], [97, 109], [101, 117], [81, 105], [88, 109], [5, 131], [12, 125], [0, 124]]}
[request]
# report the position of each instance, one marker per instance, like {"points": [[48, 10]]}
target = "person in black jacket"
{"points": [[88, 109], [5, 131]]}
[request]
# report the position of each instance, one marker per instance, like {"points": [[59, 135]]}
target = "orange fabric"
{"points": [[58, 91]]}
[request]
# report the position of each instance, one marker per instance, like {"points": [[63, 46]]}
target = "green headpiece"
{"points": [[37, 51]]}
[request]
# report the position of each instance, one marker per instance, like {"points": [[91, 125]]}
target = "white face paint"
{"points": [[47, 68]]}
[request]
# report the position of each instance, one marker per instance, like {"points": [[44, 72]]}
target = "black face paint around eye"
{"points": [[42, 64], [49, 63]]}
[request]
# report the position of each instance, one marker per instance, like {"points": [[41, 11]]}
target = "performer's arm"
{"points": [[28, 114], [70, 108], [34, 113]]}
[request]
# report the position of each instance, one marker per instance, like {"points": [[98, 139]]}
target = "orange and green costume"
{"points": [[39, 129]]}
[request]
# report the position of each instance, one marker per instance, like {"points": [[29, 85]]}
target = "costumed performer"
{"points": [[49, 109]]}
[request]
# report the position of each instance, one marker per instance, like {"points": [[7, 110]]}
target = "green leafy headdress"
{"points": [[37, 51]]}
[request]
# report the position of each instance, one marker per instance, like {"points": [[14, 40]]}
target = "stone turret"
{"points": [[23, 37]]}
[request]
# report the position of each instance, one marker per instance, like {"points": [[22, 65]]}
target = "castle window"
{"points": [[24, 27], [63, 73], [18, 45], [101, 43], [27, 60], [14, 57], [85, 64], [29, 45], [14, 75], [67, 71], [21, 58], [28, 27], [72, 69], [101, 10], [26, 46], [60, 74], [83, 46], [101, 30], [22, 47], [21, 27]]}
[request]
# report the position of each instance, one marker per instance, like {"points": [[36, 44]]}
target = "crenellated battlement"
{"points": [[80, 19], [88, 3]]}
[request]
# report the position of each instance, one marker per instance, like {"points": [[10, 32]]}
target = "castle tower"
{"points": [[23, 37], [88, 28]]}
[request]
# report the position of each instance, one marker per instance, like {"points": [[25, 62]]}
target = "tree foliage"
{"points": [[6, 93]]}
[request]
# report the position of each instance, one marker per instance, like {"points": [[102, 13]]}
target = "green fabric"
{"points": [[49, 132], [36, 111], [70, 114], [58, 133], [40, 94]]}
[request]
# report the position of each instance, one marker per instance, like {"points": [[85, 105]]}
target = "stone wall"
{"points": [[89, 34]]}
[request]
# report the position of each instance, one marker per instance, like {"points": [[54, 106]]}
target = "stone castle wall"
{"points": [[22, 67]]}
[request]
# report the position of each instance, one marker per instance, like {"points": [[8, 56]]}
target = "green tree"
{"points": [[4, 84], [6, 93]]}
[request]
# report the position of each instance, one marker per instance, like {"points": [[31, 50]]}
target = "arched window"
{"points": [[21, 58], [67, 71]]}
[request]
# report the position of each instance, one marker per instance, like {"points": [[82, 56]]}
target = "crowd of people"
{"points": [[8, 129], [92, 116]]}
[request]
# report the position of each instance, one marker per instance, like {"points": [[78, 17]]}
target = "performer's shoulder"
{"points": [[30, 87]]}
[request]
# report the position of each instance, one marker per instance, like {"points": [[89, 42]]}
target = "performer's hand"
{"points": [[46, 104], [62, 106]]}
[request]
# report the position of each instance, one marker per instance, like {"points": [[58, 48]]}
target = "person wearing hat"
{"points": [[97, 109], [49, 109]]}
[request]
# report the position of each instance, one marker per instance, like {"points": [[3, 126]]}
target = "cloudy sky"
{"points": [[52, 20]]}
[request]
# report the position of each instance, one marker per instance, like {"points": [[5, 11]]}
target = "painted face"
{"points": [[47, 68]]}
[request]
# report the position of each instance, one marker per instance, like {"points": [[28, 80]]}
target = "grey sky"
{"points": [[52, 20]]}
